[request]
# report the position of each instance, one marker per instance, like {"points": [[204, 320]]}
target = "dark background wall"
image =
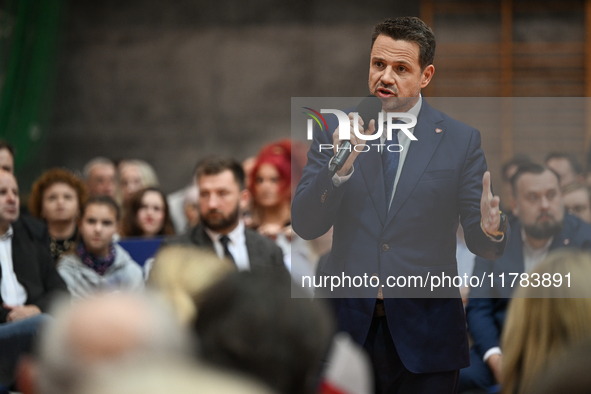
{"points": [[171, 82]]}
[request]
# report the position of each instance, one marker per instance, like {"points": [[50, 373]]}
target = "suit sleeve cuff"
{"points": [[491, 237], [339, 180], [490, 352]]}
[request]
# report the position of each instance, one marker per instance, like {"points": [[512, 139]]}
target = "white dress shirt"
{"points": [[13, 293], [236, 246], [532, 257]]}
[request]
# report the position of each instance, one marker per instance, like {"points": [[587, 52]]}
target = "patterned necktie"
{"points": [[224, 239], [390, 162]]}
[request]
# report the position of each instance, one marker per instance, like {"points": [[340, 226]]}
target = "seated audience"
{"points": [[221, 191], [100, 174], [250, 324], [108, 329], [135, 175], [97, 263], [542, 321], [568, 168], [28, 281], [147, 215], [539, 226], [57, 198], [577, 201], [181, 273]]}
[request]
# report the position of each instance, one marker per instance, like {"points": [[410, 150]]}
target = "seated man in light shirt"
{"points": [[540, 224], [28, 281]]}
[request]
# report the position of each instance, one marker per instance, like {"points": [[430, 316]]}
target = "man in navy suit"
{"points": [[540, 225], [398, 215]]}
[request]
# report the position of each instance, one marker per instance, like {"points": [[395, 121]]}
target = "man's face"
{"points": [[219, 201], [564, 169], [102, 180], [6, 161], [395, 74], [9, 199], [577, 203], [538, 204]]}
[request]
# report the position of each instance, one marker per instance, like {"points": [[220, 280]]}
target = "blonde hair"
{"points": [[543, 321], [147, 173], [181, 273]]}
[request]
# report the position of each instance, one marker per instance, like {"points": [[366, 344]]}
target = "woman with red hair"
{"points": [[270, 186]]}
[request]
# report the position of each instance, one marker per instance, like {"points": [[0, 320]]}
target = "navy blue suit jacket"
{"points": [[486, 316], [440, 182]]}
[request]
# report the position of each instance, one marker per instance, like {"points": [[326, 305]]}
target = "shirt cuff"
{"points": [[489, 237], [490, 352], [339, 180]]}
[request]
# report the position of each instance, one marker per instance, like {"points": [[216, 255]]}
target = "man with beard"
{"points": [[221, 193], [540, 225]]}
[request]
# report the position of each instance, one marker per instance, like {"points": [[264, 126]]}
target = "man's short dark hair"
{"points": [[530, 168], [412, 29], [574, 163], [8, 146], [516, 160], [216, 165], [103, 200]]}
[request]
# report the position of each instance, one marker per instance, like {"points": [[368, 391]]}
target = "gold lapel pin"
{"points": [[438, 131]]}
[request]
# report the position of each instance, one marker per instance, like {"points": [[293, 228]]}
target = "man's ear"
{"points": [[426, 76], [244, 200]]}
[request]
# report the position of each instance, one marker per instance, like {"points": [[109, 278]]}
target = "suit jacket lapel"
{"points": [[253, 249], [418, 156], [200, 237]]}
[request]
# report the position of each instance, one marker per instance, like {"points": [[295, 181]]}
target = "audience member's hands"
{"points": [[489, 207], [494, 363], [21, 312]]}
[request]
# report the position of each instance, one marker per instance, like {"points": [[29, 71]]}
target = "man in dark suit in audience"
{"points": [[28, 280], [539, 226], [221, 193]]}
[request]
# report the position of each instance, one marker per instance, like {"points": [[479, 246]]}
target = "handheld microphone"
{"points": [[368, 109]]}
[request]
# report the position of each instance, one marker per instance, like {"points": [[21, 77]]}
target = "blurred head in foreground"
{"points": [[249, 323], [155, 376], [181, 273], [568, 373], [544, 320], [105, 329]]}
